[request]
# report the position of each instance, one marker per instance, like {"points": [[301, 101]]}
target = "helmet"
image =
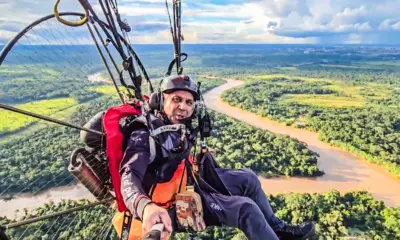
{"points": [[180, 82]]}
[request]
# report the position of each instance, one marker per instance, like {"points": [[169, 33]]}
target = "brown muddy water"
{"points": [[14, 208]]}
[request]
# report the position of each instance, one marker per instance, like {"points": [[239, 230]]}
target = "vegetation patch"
{"points": [[262, 151], [361, 117], [10, 121], [336, 216], [10, 72], [107, 90], [274, 77], [44, 153], [322, 100]]}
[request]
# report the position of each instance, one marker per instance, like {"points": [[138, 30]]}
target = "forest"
{"points": [[39, 161], [335, 216], [363, 118], [350, 95], [264, 152], [29, 82]]}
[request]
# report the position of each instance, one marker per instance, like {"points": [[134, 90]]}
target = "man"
{"points": [[247, 209]]}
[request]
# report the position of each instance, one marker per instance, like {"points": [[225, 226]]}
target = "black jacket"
{"points": [[138, 174]]}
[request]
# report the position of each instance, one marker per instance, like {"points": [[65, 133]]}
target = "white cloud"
{"points": [[352, 27], [156, 7], [354, 39], [396, 26], [143, 1], [226, 11], [363, 26], [18, 14], [348, 16], [207, 23], [385, 24], [137, 10], [270, 38], [275, 21], [339, 19], [6, 35], [231, 32], [26, 11]]}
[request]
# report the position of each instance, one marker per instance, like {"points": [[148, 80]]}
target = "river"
{"points": [[14, 208], [343, 171]]}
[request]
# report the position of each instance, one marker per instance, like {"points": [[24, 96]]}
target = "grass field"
{"points": [[348, 91], [349, 95], [369, 91], [322, 100], [10, 121], [18, 69], [275, 76], [107, 90], [39, 125]]}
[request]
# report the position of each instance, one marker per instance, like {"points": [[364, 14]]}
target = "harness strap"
{"points": [[168, 128], [3, 234], [158, 131], [126, 225], [152, 149]]}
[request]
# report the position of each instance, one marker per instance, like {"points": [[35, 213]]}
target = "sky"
{"points": [[237, 21]]}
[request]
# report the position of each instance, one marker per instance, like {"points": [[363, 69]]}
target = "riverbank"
{"points": [[14, 208], [343, 171]]}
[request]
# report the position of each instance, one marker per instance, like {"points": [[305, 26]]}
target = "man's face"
{"points": [[178, 105]]}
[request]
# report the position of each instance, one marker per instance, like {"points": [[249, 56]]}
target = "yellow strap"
{"points": [[194, 177], [72, 24]]}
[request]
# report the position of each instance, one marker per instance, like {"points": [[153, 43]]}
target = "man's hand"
{"points": [[153, 214]]}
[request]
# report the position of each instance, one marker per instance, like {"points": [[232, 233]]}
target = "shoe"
{"points": [[294, 232]]}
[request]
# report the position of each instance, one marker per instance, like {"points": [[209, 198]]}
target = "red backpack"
{"points": [[114, 147]]}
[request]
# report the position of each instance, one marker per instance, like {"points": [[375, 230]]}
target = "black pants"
{"points": [[248, 209]]}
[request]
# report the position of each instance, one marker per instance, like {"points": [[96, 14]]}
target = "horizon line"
{"points": [[326, 44]]}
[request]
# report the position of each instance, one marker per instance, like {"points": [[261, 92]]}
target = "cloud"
{"points": [[343, 20], [239, 21], [6, 35], [15, 15], [354, 39], [272, 24], [137, 10], [142, 1], [204, 22], [26, 11], [385, 24], [231, 32], [223, 11], [247, 22], [10, 25], [396, 26]]}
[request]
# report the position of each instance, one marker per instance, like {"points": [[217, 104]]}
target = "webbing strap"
{"points": [[168, 128], [3, 235], [152, 149], [126, 225]]}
